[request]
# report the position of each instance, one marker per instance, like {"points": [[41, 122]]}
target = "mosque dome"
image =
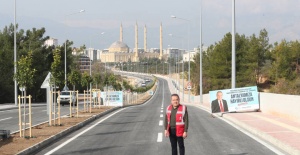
{"points": [[118, 46]]}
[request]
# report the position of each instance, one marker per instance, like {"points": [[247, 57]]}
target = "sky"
{"points": [[62, 21]]}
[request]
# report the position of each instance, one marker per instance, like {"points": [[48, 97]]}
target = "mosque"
{"points": [[119, 51]]}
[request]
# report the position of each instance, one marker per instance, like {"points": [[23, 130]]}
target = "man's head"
{"points": [[175, 100], [219, 95]]}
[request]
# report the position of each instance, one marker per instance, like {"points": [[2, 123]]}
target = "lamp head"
{"points": [[172, 16], [81, 11]]}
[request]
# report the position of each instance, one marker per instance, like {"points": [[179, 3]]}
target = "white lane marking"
{"points": [[161, 115], [71, 139], [160, 122], [44, 110], [5, 119], [161, 108], [159, 137], [7, 110], [161, 111], [27, 114]]}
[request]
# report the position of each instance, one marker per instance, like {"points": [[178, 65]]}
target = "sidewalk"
{"points": [[279, 132]]}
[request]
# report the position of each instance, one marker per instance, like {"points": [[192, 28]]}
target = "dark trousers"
{"points": [[174, 140]]}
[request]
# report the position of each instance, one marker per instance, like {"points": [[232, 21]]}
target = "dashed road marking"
{"points": [[160, 122], [159, 137], [5, 119], [161, 115], [161, 111]]}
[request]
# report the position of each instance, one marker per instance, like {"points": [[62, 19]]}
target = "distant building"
{"points": [[192, 54], [51, 42], [84, 63], [93, 54], [120, 52], [174, 52]]}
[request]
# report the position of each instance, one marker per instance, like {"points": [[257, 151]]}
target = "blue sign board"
{"points": [[112, 98]]}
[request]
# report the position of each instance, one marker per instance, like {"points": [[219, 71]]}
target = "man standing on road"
{"points": [[176, 124]]}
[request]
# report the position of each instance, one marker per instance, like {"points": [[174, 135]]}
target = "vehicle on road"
{"points": [[65, 97]]}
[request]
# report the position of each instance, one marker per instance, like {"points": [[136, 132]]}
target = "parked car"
{"points": [[64, 97]]}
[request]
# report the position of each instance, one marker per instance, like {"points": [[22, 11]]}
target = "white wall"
{"points": [[286, 106]]}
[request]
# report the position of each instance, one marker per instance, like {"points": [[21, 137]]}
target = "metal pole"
{"points": [[65, 64], [189, 60], [200, 73], [15, 54], [182, 79], [233, 46], [189, 77], [66, 48], [90, 54]]}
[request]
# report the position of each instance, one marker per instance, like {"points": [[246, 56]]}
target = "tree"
{"points": [[86, 79], [74, 78], [219, 60], [56, 70], [25, 71], [97, 79]]}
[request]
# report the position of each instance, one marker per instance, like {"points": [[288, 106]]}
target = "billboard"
{"points": [[112, 98], [238, 99]]}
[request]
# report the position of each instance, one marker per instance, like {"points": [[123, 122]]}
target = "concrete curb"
{"points": [[35, 148]]}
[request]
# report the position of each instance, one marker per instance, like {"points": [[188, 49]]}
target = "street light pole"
{"points": [[90, 54], [177, 60], [15, 54], [233, 46], [189, 73], [200, 72], [66, 50]]}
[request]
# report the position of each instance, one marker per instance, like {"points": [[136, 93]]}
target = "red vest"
{"points": [[179, 119]]}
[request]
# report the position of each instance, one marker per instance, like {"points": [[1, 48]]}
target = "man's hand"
{"points": [[184, 135], [167, 134]]}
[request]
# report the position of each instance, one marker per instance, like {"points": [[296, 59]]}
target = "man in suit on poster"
{"points": [[219, 104]]}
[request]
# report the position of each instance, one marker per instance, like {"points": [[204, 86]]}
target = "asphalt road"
{"points": [[138, 130], [140, 77], [9, 119]]}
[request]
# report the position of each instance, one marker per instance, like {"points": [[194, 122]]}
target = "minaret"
{"points": [[145, 39], [136, 55], [160, 42], [121, 33]]}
